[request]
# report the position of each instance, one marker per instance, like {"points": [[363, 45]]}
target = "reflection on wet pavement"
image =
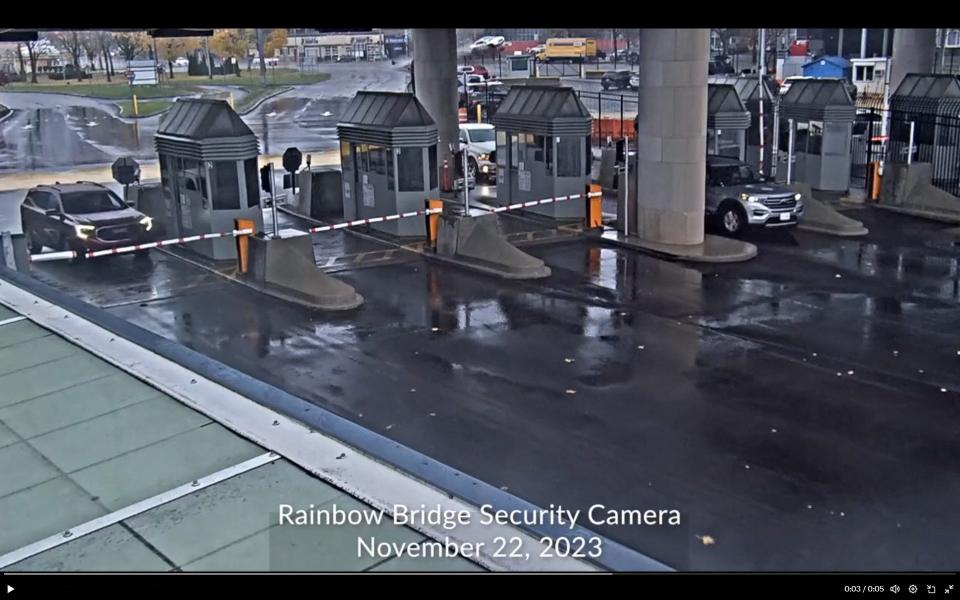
{"points": [[801, 419]]}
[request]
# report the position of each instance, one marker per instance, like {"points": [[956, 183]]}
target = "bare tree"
{"points": [[263, 63], [90, 46], [131, 44], [35, 50], [105, 43], [23, 70], [70, 42]]}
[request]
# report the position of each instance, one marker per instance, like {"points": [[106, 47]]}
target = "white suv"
{"points": [[481, 142]]}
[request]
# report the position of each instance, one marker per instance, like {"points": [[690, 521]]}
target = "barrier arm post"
{"points": [[433, 222], [243, 243], [594, 212]]}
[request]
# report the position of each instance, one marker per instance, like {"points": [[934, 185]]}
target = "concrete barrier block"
{"points": [[285, 268], [822, 218], [478, 242]]}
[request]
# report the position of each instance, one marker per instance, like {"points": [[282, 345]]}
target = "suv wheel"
{"points": [[472, 169], [33, 245], [732, 219]]}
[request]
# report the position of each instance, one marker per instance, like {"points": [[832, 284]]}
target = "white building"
{"points": [[870, 75], [310, 46]]}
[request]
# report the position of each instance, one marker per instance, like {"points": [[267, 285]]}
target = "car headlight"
{"points": [[147, 223], [84, 231], [483, 157], [747, 197], [797, 197]]}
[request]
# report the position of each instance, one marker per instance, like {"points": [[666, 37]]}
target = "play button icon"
{"points": [[9, 588]]}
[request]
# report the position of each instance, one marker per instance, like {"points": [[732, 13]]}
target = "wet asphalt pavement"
{"points": [[801, 409], [48, 131]]}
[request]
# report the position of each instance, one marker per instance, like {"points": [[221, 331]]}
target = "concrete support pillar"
{"points": [[435, 80], [672, 136], [863, 42], [886, 43], [840, 42], [913, 52]]}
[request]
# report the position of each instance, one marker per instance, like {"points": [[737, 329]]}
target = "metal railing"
{"points": [[613, 113], [928, 138]]}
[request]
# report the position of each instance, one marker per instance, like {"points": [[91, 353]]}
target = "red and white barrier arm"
{"points": [[69, 254], [406, 215], [530, 203]]}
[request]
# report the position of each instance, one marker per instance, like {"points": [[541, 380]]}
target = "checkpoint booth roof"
{"points": [[388, 153], [822, 112], [208, 172], [727, 121], [543, 148], [749, 90], [932, 104]]}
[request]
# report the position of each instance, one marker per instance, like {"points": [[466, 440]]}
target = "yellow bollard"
{"points": [[136, 106], [479, 114]]}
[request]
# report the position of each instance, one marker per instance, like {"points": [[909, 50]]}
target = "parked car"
{"points": [[481, 143], [481, 43], [619, 80], [80, 216], [738, 198], [481, 71], [181, 62]]}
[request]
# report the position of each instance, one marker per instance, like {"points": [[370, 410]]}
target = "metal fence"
{"points": [[613, 114], [927, 138]]}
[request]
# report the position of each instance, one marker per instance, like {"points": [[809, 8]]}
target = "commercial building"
{"points": [[310, 46]]}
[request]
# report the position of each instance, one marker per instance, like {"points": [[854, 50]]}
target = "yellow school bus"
{"points": [[567, 48]]}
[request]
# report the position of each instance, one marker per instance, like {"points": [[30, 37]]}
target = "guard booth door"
{"points": [[192, 204]]}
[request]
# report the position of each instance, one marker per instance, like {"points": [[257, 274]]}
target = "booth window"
{"points": [[815, 137], [227, 181], [378, 160], [514, 150], [548, 150], [588, 161], [390, 155], [502, 149], [253, 182], [568, 157], [432, 152], [410, 169], [538, 142], [346, 157], [363, 158]]}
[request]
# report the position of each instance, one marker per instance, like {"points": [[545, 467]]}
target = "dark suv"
{"points": [[80, 216], [616, 79]]}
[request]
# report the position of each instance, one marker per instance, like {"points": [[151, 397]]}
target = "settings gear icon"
{"points": [[913, 589]]}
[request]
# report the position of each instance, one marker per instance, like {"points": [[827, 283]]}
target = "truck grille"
{"points": [[780, 203], [115, 233]]}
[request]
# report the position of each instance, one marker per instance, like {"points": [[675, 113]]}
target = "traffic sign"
{"points": [[126, 170], [292, 159], [266, 178]]}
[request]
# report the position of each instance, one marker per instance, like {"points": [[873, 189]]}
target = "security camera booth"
{"points": [[543, 148], [820, 113], [208, 173], [388, 153]]}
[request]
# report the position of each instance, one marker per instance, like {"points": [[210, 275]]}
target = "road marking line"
{"points": [[12, 320], [134, 509]]}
